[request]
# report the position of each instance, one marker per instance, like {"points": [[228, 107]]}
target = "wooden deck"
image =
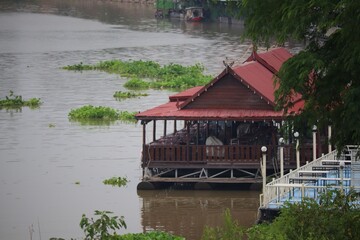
{"points": [[205, 180], [222, 156]]}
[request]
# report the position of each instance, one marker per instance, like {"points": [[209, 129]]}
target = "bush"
{"points": [[105, 226], [100, 228], [229, 231], [335, 216]]}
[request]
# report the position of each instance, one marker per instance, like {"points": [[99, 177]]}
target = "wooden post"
{"points": [[154, 131], [198, 132], [175, 129], [143, 148], [207, 129], [217, 129], [165, 123], [187, 141], [144, 134]]}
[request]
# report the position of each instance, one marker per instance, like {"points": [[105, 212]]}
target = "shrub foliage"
{"points": [[335, 216]]}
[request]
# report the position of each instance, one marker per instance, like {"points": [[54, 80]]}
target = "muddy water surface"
{"points": [[51, 170]]}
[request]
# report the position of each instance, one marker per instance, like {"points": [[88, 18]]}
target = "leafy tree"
{"points": [[326, 73], [335, 216]]}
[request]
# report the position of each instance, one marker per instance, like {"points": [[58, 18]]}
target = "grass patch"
{"points": [[16, 101], [123, 95], [100, 115], [149, 74], [116, 181]]}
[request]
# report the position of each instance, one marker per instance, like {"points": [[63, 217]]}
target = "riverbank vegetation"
{"points": [[16, 101], [97, 114], [335, 216], [104, 226], [149, 74]]}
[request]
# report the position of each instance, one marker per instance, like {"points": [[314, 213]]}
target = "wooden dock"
{"points": [[310, 180]]}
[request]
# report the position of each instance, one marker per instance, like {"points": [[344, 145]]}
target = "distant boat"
{"points": [[194, 14]]}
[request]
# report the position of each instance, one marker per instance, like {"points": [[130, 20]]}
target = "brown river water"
{"points": [[51, 170]]}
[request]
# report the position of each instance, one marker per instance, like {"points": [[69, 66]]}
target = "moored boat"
{"points": [[194, 14]]}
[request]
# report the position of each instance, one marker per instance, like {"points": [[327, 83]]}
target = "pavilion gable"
{"points": [[228, 92]]}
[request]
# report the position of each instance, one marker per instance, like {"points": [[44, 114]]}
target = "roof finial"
{"points": [[227, 62], [254, 46]]}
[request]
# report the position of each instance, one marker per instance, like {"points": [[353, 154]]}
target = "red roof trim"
{"points": [[184, 95], [171, 112]]}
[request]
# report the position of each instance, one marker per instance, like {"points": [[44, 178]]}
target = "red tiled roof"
{"points": [[272, 59], [170, 111], [256, 75], [258, 78]]}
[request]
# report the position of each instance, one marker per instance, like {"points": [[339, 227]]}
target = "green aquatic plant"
{"points": [[143, 69], [127, 116], [116, 181], [79, 67], [92, 112], [121, 95], [100, 115], [16, 101], [137, 83], [149, 74]]}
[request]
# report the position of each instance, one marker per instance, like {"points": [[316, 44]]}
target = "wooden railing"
{"points": [[221, 154], [202, 154]]}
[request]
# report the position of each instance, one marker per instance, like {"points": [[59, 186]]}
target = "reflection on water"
{"points": [[43, 154], [185, 213]]}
